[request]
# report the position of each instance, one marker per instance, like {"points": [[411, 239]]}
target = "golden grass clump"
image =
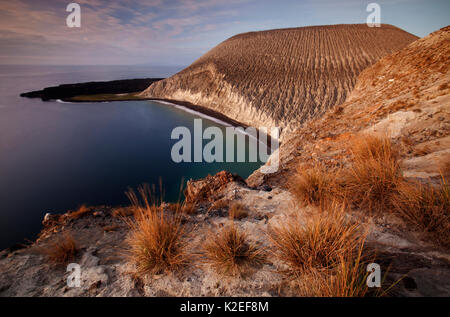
{"points": [[155, 240], [230, 252], [80, 212], [219, 204], [122, 212], [111, 228], [346, 279], [173, 207], [237, 211], [324, 254], [427, 207], [317, 243], [424, 150], [372, 180], [371, 146], [312, 186], [61, 250], [185, 208]]}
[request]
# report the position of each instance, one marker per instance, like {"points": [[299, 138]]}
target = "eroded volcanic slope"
{"points": [[281, 77], [405, 95]]}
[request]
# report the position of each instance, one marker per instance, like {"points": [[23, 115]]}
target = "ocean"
{"points": [[56, 156]]}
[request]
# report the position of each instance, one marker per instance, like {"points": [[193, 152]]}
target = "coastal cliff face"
{"points": [[404, 95], [281, 78]]}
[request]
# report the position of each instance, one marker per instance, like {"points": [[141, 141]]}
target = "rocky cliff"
{"points": [[281, 77], [404, 95]]}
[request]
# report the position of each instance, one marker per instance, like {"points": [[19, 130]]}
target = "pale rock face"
{"points": [[393, 125]]}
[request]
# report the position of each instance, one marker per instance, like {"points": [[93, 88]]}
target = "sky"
{"points": [[177, 32]]}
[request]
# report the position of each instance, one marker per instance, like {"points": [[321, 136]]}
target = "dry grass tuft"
{"points": [[62, 250], [185, 208], [237, 211], [122, 212], [324, 254], [347, 279], [173, 207], [155, 240], [423, 150], [372, 180], [80, 212], [318, 243], [368, 146], [312, 186], [111, 228], [230, 252], [427, 207], [219, 204]]}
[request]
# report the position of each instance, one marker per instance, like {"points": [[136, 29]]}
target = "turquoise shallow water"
{"points": [[57, 156]]}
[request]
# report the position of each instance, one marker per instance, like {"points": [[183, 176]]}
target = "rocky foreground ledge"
{"points": [[101, 233]]}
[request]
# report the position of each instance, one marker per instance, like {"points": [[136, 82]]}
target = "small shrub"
{"points": [[398, 105], [173, 207], [230, 252], [185, 208], [318, 243], [110, 228], [237, 211], [219, 204], [407, 140], [346, 279], [80, 212], [372, 180], [379, 147], [122, 212], [421, 151], [155, 241], [61, 250], [427, 207], [312, 186]]}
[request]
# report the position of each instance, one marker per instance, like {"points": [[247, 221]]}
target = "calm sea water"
{"points": [[56, 156]]}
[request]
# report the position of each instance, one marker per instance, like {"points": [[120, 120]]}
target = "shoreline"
{"points": [[129, 90], [182, 105], [177, 103]]}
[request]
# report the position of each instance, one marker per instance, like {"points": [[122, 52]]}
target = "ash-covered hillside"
{"points": [[281, 77]]}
